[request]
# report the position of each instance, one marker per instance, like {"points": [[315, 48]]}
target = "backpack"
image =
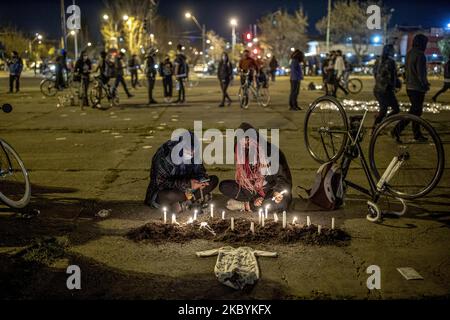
{"points": [[328, 189], [383, 76]]}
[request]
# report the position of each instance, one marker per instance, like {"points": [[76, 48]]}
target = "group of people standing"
{"points": [[335, 72], [416, 82]]}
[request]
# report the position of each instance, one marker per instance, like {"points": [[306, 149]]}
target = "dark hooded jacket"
{"points": [[416, 65], [165, 175], [282, 179]]}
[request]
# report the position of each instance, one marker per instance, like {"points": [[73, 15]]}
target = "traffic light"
{"points": [[248, 36]]}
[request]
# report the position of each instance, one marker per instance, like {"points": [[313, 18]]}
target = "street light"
{"points": [[105, 17], [202, 28], [233, 23], [125, 17]]}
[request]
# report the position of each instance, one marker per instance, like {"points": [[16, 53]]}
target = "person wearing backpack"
{"points": [[15, 66], [150, 71], [181, 73], [225, 75], [166, 72], [386, 79], [446, 80]]}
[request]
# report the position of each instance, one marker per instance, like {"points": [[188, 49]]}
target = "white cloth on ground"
{"points": [[236, 267]]}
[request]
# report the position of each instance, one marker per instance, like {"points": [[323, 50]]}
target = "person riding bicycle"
{"points": [[248, 65], [83, 68]]}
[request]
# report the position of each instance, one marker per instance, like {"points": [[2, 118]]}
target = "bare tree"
{"points": [[349, 20], [281, 31], [129, 24], [216, 45]]}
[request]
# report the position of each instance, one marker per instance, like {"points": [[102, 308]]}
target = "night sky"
{"points": [[43, 15]]}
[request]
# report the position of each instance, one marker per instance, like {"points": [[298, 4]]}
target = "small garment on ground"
{"points": [[236, 267]]}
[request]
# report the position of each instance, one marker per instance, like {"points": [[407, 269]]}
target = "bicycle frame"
{"points": [[9, 161]]}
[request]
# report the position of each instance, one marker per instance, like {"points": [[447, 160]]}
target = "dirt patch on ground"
{"points": [[220, 230]]}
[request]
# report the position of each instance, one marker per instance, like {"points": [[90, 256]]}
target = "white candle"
{"points": [[252, 227], [195, 215], [332, 223], [266, 211], [284, 219], [165, 214], [275, 217], [263, 221], [308, 221], [212, 210], [174, 218], [260, 214], [223, 215], [319, 229], [190, 220], [294, 220], [232, 223]]}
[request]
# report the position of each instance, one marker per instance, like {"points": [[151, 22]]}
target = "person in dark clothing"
{"points": [[255, 185], [328, 72], [151, 71], [273, 66], [181, 73], [15, 66], [83, 68], [104, 67], [416, 85], [119, 68], [386, 79], [175, 185], [446, 81], [296, 78], [166, 72], [133, 67], [61, 69], [225, 75]]}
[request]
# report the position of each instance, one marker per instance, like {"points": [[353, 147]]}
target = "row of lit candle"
{"points": [[261, 219]]}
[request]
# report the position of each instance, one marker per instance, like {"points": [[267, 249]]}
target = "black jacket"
{"points": [[225, 71], [416, 65], [280, 180], [385, 73]]}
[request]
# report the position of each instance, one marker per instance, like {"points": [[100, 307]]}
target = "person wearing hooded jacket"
{"points": [[417, 85], [151, 72], [386, 79], [181, 73], [173, 184], [255, 184]]}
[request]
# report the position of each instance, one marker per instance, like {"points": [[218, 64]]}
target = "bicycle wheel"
{"points": [[96, 95], [263, 97], [243, 97], [326, 129], [354, 86], [48, 88], [15, 189], [422, 163]]}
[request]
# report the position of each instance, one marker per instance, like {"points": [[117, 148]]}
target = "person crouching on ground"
{"points": [[176, 186], [255, 185]]}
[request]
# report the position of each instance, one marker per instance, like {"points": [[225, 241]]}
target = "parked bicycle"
{"points": [[101, 91], [252, 87], [403, 169], [49, 87], [15, 189], [352, 85]]}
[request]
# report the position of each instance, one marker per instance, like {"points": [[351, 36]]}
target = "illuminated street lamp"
{"points": [[105, 17], [233, 23], [202, 28], [125, 17]]}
